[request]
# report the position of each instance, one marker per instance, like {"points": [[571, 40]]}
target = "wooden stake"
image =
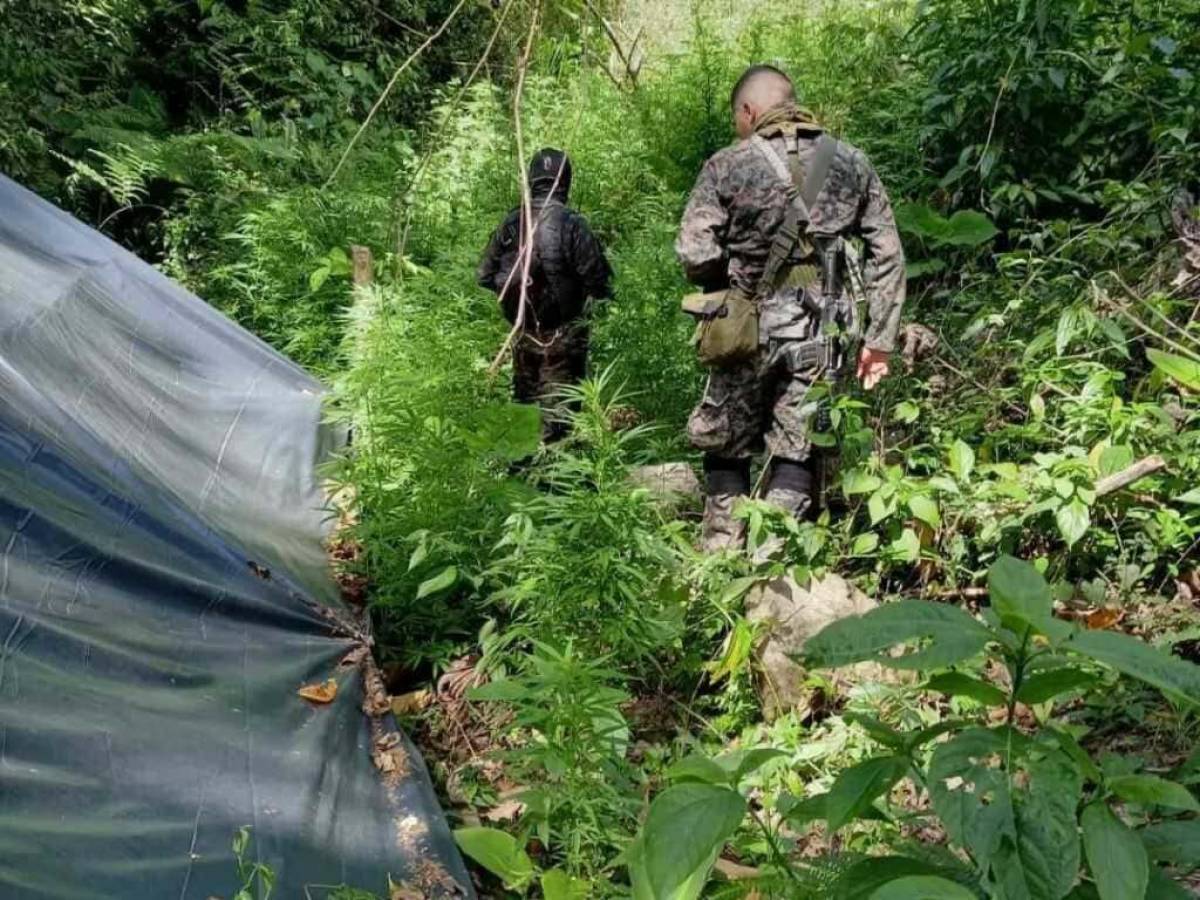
{"points": [[363, 265]]}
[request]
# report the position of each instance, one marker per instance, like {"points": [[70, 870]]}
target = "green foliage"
{"points": [[1014, 802], [578, 798], [258, 879]]}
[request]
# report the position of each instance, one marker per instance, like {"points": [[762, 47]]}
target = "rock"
{"points": [[792, 614], [916, 343], [674, 484]]}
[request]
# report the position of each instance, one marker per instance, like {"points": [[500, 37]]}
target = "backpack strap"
{"points": [[807, 190]]}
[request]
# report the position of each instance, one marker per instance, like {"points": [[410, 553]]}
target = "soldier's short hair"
{"points": [[753, 74]]}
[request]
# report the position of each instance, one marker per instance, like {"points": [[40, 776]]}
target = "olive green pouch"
{"points": [[727, 327]]}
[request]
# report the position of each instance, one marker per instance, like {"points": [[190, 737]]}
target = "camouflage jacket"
{"points": [[739, 201]]}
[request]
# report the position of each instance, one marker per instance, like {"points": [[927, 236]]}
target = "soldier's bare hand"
{"points": [[872, 366]]}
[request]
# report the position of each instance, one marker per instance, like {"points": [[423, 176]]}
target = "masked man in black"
{"points": [[567, 269]]}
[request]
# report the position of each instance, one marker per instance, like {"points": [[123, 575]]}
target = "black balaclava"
{"points": [[547, 167]]}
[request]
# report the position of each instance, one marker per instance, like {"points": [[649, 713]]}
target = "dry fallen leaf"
{"points": [[319, 693], [1103, 618], [504, 811], [411, 703], [403, 891]]}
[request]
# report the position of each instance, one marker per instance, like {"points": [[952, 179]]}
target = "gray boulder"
{"points": [[673, 484], [792, 613]]}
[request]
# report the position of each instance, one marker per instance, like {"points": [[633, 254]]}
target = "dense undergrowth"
{"points": [[1034, 150]]}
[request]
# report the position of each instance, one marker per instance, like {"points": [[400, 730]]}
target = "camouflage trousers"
{"points": [[545, 363], [763, 403]]}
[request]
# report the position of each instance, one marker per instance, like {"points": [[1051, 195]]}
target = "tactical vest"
{"points": [[553, 294]]}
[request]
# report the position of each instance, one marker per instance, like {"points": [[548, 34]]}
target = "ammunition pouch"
{"points": [[727, 327], [728, 330]]}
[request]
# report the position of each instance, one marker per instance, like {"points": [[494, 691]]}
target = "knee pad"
{"points": [[726, 476], [789, 475]]}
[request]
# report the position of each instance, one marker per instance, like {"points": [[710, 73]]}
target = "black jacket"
{"points": [[568, 264]]}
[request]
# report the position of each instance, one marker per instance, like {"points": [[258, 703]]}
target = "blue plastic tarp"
{"points": [[164, 592]]}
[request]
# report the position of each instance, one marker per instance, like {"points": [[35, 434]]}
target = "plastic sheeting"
{"points": [[163, 594]]}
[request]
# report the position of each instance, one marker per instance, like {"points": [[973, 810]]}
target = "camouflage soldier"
{"points": [[738, 204], [567, 268]]}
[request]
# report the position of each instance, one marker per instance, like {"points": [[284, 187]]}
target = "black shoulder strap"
{"points": [[795, 221]]}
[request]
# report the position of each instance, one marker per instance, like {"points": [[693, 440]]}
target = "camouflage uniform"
{"points": [[570, 268], [735, 208]]}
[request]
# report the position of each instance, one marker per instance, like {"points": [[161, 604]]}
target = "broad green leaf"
{"points": [[865, 544], [1043, 686], [1192, 497], [925, 509], [950, 636], [919, 268], [878, 507], [558, 885], [945, 484], [438, 583], [881, 732], [970, 794], [498, 852], [689, 889], [956, 684], [907, 547], [968, 228], [1163, 887], [1073, 520], [687, 824], [906, 411], [740, 763], [1176, 843], [858, 481], [738, 646], [1021, 597], [1114, 459], [1138, 659], [1184, 370], [698, 769], [317, 278], [1070, 321], [1150, 790], [1115, 855], [418, 555], [1070, 746], [863, 878], [857, 788], [737, 588], [920, 220], [922, 887], [1047, 846], [962, 460]]}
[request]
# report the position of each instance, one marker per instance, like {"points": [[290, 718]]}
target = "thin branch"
{"points": [[1126, 477], [616, 42], [526, 197], [391, 84]]}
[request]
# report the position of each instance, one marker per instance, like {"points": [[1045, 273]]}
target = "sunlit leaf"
{"points": [[1115, 855], [1184, 370]]}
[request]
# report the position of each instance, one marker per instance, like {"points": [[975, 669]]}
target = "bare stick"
{"points": [[1125, 477], [391, 84], [526, 197]]}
